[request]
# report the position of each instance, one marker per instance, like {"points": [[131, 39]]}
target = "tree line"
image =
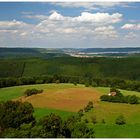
{"points": [[108, 82]]}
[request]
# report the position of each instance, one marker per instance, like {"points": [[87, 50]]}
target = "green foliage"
{"points": [[81, 130], [13, 114], [87, 84], [52, 124], [81, 112], [86, 120], [94, 84], [93, 119], [91, 68], [133, 99], [30, 92], [75, 83], [39, 82], [89, 106], [103, 121], [120, 98], [120, 120]]}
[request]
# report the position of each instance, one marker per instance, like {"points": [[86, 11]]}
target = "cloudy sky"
{"points": [[77, 25]]}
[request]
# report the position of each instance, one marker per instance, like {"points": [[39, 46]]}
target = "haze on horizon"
{"points": [[69, 24]]}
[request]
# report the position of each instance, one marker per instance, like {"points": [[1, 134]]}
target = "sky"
{"points": [[70, 24]]}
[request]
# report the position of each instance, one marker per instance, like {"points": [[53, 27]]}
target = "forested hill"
{"points": [[29, 52], [124, 68]]}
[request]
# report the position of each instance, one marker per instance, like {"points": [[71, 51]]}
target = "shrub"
{"points": [[103, 121], [75, 83], [86, 120], [120, 120], [39, 81], [81, 112], [93, 119], [89, 106], [133, 99], [30, 92], [93, 84], [87, 84]]}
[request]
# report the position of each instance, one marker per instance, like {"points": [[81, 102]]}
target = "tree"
{"points": [[81, 130], [120, 120], [53, 125], [13, 114]]}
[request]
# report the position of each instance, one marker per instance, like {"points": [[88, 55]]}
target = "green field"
{"points": [[41, 112], [102, 110], [10, 93], [115, 131]]}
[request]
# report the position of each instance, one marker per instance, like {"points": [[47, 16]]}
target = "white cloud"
{"points": [[59, 30], [106, 32], [97, 24], [38, 17], [103, 18], [56, 16], [91, 5], [130, 35], [131, 26]]}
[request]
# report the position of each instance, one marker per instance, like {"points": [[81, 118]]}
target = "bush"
{"points": [[75, 83], [133, 99], [39, 81], [30, 92], [103, 121], [87, 84], [93, 119], [86, 120], [120, 120], [94, 84], [81, 112], [89, 106]]}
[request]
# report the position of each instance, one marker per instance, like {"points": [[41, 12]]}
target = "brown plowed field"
{"points": [[71, 99]]}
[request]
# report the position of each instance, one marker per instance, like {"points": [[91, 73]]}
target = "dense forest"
{"points": [[123, 68]]}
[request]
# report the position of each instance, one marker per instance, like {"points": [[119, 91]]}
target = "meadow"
{"points": [[66, 99]]}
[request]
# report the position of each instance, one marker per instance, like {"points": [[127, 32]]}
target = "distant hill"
{"points": [[29, 52]]}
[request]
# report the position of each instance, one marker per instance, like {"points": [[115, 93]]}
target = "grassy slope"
{"points": [[109, 111], [41, 112], [17, 91], [115, 131], [106, 111]]}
